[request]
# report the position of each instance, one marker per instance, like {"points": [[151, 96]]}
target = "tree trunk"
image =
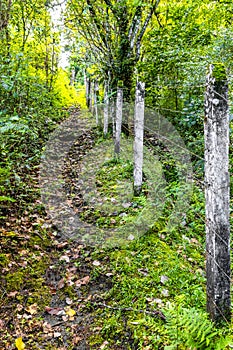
{"points": [[138, 137], [96, 90], [119, 106], [88, 89], [91, 108], [72, 76], [113, 115], [106, 107], [216, 131]]}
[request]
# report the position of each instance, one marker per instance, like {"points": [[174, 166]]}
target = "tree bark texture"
{"points": [[96, 91], [119, 107], [216, 130], [112, 113], [88, 91], [138, 137], [106, 107]]}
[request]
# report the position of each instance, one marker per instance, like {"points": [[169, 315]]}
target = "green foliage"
{"points": [[192, 329], [33, 95], [109, 181], [219, 72]]}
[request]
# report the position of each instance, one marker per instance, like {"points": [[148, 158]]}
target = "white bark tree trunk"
{"points": [[92, 97], [119, 107], [216, 131], [138, 137], [113, 115], [72, 76], [96, 89], [106, 107]]}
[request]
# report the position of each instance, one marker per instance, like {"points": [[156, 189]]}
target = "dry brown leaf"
{"points": [[83, 281], [32, 309]]}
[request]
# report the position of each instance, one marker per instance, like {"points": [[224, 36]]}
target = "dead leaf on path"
{"points": [[76, 339], [62, 245], [57, 311], [65, 258], [70, 312], [69, 301], [56, 334], [32, 309], [83, 281], [12, 294], [19, 307], [105, 343], [47, 328], [61, 284]]}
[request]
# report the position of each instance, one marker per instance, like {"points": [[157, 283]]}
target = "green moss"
{"points": [[219, 72], [3, 260], [120, 84]]}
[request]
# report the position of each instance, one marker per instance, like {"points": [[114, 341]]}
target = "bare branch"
{"points": [[142, 32]]}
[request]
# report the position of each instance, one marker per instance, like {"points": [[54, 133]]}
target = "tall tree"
{"points": [[113, 30]]}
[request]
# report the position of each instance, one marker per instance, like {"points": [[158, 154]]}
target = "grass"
{"points": [[158, 296]]}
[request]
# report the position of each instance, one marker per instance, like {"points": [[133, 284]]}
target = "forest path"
{"points": [[50, 284]]}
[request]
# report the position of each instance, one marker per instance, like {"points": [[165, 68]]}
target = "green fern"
{"points": [[191, 329]]}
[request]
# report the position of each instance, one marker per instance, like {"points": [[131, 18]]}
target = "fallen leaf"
{"points": [[12, 294], [65, 258], [54, 310], [47, 328], [76, 339], [19, 307], [69, 301], [105, 343], [96, 263], [61, 284], [70, 312], [19, 344], [32, 309], [165, 292], [83, 281], [131, 237], [163, 279], [56, 334]]}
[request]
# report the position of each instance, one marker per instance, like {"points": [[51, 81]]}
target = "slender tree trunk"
{"points": [[138, 137], [119, 107], [106, 107], [217, 195], [92, 91], [113, 115], [88, 91], [72, 76], [96, 89]]}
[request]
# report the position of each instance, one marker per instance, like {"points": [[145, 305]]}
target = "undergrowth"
{"points": [[158, 297]]}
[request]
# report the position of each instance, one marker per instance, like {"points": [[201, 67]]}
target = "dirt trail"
{"points": [[49, 285]]}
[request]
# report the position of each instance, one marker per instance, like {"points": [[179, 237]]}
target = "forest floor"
{"points": [[60, 293], [49, 287]]}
